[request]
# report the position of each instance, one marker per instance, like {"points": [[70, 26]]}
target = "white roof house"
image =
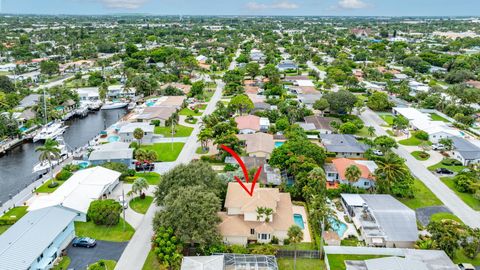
{"points": [[130, 127], [410, 113], [79, 190], [213, 262]]}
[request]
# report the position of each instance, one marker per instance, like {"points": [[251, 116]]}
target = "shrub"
{"points": [[63, 175], [53, 185], [104, 212], [155, 122], [238, 249], [286, 242], [421, 135], [451, 162], [230, 167], [130, 172], [348, 128], [264, 249], [463, 183], [134, 145], [274, 240]]}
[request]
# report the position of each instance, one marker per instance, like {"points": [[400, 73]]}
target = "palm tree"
{"points": [[295, 235], [371, 131], [352, 173], [391, 168], [265, 213], [139, 185], [205, 136], [138, 134], [49, 152]]}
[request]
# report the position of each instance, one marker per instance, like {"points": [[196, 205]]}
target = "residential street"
{"points": [[139, 246], [445, 194], [321, 74]]}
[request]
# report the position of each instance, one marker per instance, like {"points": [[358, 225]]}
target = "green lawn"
{"points": [[141, 206], [390, 132], [443, 216], [441, 165], [436, 117], [200, 151], [164, 150], [106, 233], [349, 242], [45, 189], [423, 197], [388, 118], [14, 215], [108, 264], [152, 178], [192, 121], [151, 263], [420, 155], [412, 141], [300, 246], [302, 264], [466, 197], [63, 265], [3, 228], [337, 261], [186, 111], [180, 131], [461, 258], [363, 132]]}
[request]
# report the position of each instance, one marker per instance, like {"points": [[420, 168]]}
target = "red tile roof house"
{"points": [[335, 172], [249, 124]]}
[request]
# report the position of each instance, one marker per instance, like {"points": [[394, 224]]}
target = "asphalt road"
{"points": [[83, 257], [444, 193]]}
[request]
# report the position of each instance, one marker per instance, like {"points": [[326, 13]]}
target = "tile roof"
{"points": [[248, 122], [258, 142], [341, 165]]}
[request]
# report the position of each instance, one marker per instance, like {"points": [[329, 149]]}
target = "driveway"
{"points": [[444, 193], [82, 257], [424, 213]]}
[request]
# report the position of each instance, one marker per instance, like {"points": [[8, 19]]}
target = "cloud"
{"points": [[352, 4], [255, 6], [123, 4]]}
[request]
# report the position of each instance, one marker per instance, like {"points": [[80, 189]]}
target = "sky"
{"points": [[248, 7]]}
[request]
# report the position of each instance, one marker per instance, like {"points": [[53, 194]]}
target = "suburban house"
{"points": [[411, 259], [465, 151], [156, 113], [37, 239], [118, 91], [258, 144], [335, 172], [321, 124], [268, 175], [286, 65], [249, 124], [241, 224], [436, 130], [126, 132], [229, 261], [79, 191], [309, 99], [382, 220], [112, 152], [343, 145]]}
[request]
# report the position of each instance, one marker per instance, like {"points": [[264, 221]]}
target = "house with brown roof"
{"points": [[241, 223], [249, 124], [322, 124], [336, 171], [258, 144]]}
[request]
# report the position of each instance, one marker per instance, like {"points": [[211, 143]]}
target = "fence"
{"points": [[307, 254]]}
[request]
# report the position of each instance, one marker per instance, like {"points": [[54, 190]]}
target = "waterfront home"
{"points": [[335, 172], [343, 145], [88, 93], [120, 91], [37, 239], [465, 151], [126, 132], [258, 144], [322, 124], [411, 259], [241, 223], [161, 114], [79, 191], [28, 101], [249, 124], [112, 152], [382, 220]]}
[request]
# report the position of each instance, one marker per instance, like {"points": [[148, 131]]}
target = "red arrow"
{"points": [[245, 172]]}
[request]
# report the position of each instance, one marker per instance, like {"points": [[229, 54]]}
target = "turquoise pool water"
{"points": [[60, 108], [299, 220], [113, 138], [337, 226], [23, 129], [278, 144], [84, 164], [151, 102]]}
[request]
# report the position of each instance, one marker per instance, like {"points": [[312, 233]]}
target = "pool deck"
{"points": [[297, 209], [350, 227]]}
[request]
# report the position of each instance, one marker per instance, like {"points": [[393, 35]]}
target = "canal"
{"points": [[16, 167]]}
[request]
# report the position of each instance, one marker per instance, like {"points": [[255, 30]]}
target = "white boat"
{"points": [[50, 131], [42, 167], [114, 105], [131, 105]]}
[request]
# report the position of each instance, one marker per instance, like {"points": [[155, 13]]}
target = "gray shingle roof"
{"points": [[342, 143], [23, 243], [467, 149]]}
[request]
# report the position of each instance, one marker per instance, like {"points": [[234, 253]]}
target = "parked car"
{"points": [[377, 152], [85, 242], [148, 167], [443, 171], [466, 266], [123, 202], [438, 146]]}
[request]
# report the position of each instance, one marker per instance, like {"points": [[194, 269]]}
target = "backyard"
{"points": [[152, 178], [388, 118], [141, 206], [106, 233], [436, 117], [45, 189], [165, 151], [180, 131], [423, 196], [302, 264], [337, 261], [467, 198]]}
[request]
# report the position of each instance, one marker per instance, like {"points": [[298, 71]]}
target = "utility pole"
{"points": [[322, 228], [123, 207]]}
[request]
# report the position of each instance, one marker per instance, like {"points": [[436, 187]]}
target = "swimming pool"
{"points": [[83, 164], [299, 220], [23, 129], [150, 102], [278, 144], [113, 138], [337, 226]]}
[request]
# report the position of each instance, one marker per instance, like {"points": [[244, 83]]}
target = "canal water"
{"points": [[16, 167]]}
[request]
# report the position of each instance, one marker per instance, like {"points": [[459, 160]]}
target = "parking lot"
{"points": [[82, 257]]}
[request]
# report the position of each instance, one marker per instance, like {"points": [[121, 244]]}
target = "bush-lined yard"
{"points": [[106, 233], [423, 197], [467, 198], [165, 151], [179, 131]]}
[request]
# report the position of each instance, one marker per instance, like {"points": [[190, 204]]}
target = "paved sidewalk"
{"points": [[444, 193]]}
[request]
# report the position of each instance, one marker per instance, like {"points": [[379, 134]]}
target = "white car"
{"points": [[123, 202], [377, 152], [438, 146]]}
